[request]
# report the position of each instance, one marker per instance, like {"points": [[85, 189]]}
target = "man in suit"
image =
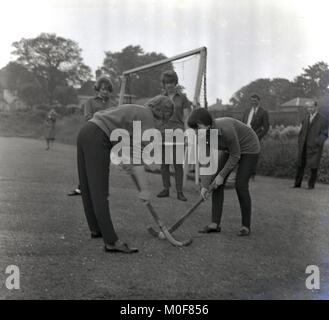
{"points": [[313, 134], [256, 117]]}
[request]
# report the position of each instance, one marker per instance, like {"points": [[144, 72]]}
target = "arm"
{"points": [[323, 134], [88, 111], [234, 150]]}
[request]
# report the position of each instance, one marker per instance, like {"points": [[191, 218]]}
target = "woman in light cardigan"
{"points": [[94, 148]]}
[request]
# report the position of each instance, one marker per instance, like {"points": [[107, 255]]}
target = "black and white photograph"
{"points": [[164, 150]]}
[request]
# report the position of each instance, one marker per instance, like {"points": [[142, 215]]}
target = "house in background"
{"points": [[296, 105]]}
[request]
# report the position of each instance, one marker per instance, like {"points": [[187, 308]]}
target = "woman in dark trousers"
{"points": [[241, 146], [101, 101], [94, 148], [182, 110]]}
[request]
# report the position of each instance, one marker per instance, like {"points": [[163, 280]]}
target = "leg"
{"points": [[165, 175], [94, 141], [179, 176], [245, 170], [300, 169], [86, 198], [218, 194], [313, 176], [217, 198]]}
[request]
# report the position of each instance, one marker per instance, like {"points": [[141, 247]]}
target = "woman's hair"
{"points": [[169, 76], [162, 108], [199, 116], [163, 101], [103, 80]]}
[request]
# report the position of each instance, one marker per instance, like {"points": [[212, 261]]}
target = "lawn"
{"points": [[45, 234]]}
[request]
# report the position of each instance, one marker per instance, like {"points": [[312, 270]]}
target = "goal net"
{"points": [[144, 82]]}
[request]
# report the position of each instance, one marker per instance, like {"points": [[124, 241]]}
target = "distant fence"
{"points": [[276, 117]]}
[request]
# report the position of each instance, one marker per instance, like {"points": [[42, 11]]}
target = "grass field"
{"points": [[44, 233]]}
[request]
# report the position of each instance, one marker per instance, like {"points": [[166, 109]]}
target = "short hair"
{"points": [[199, 115], [103, 80], [164, 101], [169, 76], [256, 96]]}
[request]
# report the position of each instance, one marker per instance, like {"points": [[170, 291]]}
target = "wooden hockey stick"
{"points": [[181, 220], [162, 227]]}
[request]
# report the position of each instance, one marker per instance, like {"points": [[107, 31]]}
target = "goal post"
{"points": [[191, 68]]}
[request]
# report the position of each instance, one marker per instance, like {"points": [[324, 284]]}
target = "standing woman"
{"points": [[241, 149], [182, 108], [100, 101], [50, 127]]}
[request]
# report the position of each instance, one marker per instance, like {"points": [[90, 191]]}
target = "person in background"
{"points": [[50, 127], [311, 138], [241, 146], [94, 149], [182, 110], [101, 101], [256, 117]]}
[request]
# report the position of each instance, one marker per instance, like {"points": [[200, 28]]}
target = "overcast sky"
{"points": [[246, 39]]}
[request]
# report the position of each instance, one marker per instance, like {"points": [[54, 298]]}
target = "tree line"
{"points": [[49, 69], [312, 83]]}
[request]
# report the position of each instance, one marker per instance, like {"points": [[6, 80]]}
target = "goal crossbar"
{"points": [[164, 61]]}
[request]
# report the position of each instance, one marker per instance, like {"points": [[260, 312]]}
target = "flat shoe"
{"points": [[207, 229], [244, 233], [95, 235], [123, 248], [163, 194], [75, 192], [180, 196]]}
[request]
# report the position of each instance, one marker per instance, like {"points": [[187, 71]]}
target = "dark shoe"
{"points": [[75, 192], [310, 187], [163, 194], [180, 196], [208, 229], [119, 247], [244, 232], [296, 186], [95, 235]]}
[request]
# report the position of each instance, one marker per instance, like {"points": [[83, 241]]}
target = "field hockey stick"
{"points": [[181, 220], [160, 224]]}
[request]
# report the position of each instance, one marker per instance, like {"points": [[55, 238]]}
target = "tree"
{"points": [[314, 81], [145, 83], [66, 95], [273, 92], [23, 83], [54, 61]]}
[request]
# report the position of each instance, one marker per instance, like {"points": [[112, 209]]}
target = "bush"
{"points": [[280, 132], [278, 158]]}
